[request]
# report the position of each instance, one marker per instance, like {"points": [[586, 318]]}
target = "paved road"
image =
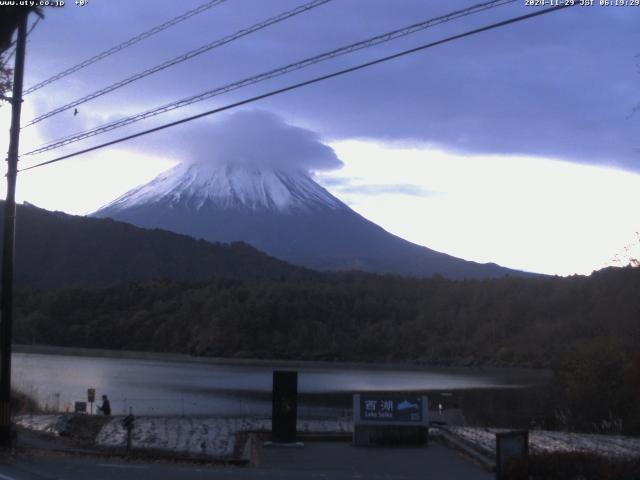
{"points": [[343, 461], [335, 460]]}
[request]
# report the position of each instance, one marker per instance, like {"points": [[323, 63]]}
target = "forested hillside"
{"points": [[509, 321], [54, 249]]}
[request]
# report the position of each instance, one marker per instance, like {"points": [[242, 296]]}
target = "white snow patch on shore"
{"points": [[543, 441], [54, 424], [214, 437]]}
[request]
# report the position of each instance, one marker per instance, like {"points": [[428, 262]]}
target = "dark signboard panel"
{"points": [[284, 411], [510, 446]]}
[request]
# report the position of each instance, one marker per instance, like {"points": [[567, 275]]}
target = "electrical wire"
{"points": [[11, 54], [33, 26], [182, 58], [126, 44], [307, 82], [13, 44], [370, 42], [4, 62]]}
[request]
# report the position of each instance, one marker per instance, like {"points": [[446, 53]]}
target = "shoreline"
{"points": [[540, 373]]}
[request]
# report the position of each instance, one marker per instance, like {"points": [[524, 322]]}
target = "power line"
{"points": [[182, 58], [271, 74], [126, 43], [13, 44], [370, 42], [307, 82], [7, 59], [33, 26], [4, 62]]}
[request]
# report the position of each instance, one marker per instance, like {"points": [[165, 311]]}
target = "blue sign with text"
{"points": [[392, 409]]}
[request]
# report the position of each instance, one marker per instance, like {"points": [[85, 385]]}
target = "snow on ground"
{"points": [[194, 435], [542, 441], [216, 437], [54, 424]]}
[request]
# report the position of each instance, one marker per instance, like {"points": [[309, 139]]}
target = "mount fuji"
{"points": [[284, 213]]}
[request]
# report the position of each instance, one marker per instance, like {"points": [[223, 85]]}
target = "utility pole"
{"points": [[8, 247]]}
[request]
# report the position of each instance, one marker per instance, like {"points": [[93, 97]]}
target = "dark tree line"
{"points": [[508, 321]]}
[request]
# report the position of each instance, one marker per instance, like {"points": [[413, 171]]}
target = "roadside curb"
{"points": [[137, 455]]}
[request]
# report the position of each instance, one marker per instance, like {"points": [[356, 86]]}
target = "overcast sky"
{"points": [[517, 146]]}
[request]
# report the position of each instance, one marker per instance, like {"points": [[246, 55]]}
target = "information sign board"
{"points": [[390, 419], [390, 409]]}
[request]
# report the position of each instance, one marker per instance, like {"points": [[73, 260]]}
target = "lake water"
{"points": [[152, 387]]}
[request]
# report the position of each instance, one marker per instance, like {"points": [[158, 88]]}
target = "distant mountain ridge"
{"points": [[285, 214], [54, 249]]}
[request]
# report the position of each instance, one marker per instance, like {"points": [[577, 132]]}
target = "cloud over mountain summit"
{"points": [[250, 138]]}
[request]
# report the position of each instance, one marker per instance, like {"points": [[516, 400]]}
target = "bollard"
{"points": [[128, 423]]}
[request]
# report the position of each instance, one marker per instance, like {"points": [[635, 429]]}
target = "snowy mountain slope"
{"points": [[230, 186], [285, 214]]}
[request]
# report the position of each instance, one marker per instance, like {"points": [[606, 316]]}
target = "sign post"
{"points": [[284, 410], [390, 419], [91, 397]]}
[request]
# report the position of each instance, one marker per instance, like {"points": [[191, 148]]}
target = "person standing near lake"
{"points": [[105, 408]]}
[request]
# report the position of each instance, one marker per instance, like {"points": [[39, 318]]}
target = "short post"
{"points": [[284, 409], [128, 423]]}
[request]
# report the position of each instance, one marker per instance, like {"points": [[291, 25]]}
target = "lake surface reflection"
{"points": [[165, 387]]}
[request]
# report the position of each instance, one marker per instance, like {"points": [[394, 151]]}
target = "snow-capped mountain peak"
{"points": [[232, 185]]}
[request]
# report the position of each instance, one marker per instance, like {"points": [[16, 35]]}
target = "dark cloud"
{"points": [[251, 137], [560, 85]]}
